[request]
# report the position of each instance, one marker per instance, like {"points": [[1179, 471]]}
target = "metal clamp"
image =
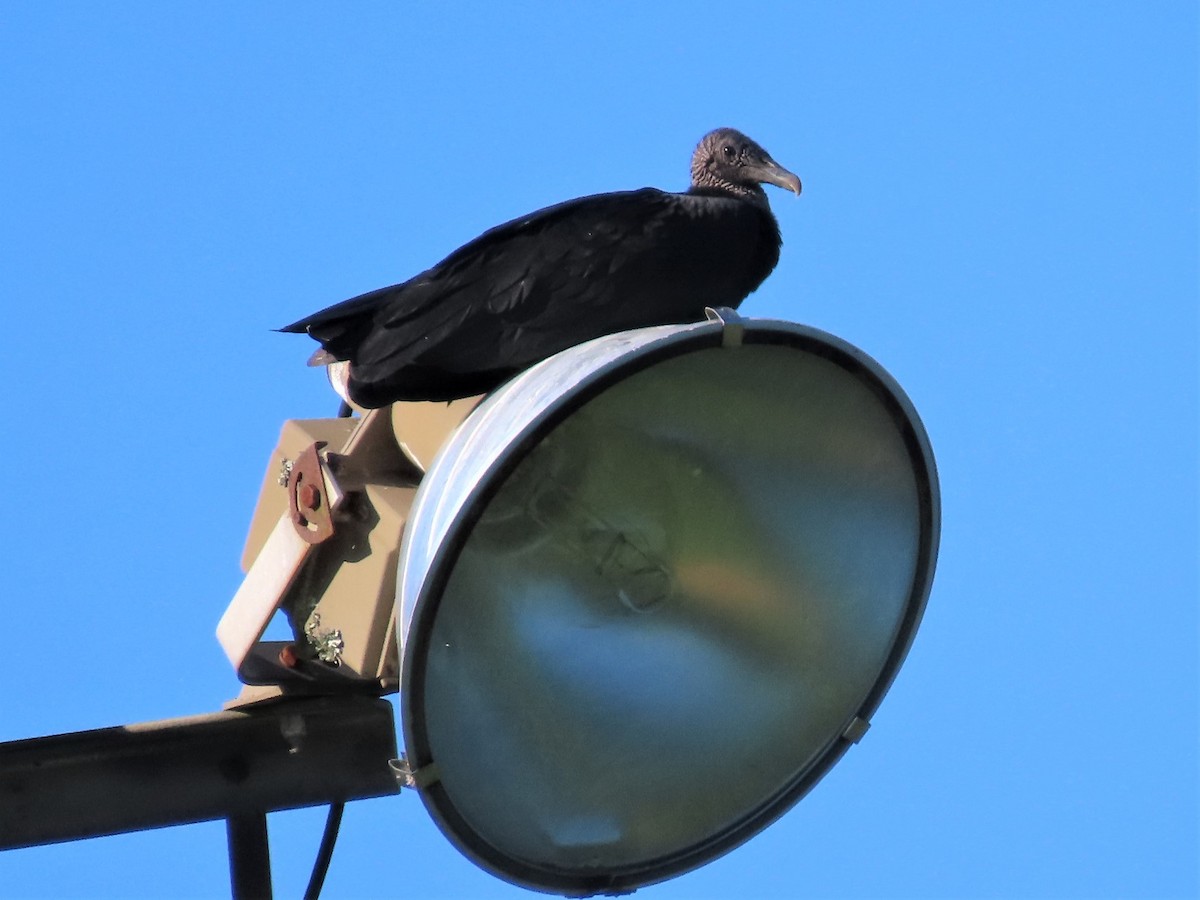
{"points": [[734, 326]]}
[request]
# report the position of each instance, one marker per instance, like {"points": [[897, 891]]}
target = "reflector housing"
{"points": [[651, 591]]}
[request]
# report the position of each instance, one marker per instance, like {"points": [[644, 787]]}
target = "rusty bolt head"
{"points": [[288, 657], [310, 496]]}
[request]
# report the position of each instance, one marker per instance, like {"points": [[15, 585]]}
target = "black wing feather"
{"points": [[536, 285]]}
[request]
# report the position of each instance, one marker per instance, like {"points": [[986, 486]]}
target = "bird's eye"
{"points": [[729, 152]]}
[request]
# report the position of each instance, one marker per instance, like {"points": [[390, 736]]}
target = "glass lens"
{"points": [[671, 608]]}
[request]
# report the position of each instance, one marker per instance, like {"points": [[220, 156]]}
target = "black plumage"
{"points": [[531, 287]]}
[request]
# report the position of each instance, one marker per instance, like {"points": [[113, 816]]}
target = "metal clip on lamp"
{"points": [[648, 593]]}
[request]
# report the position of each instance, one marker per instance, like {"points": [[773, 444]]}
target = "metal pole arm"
{"points": [[226, 765]]}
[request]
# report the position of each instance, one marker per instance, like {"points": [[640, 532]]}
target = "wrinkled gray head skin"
{"points": [[728, 161]]}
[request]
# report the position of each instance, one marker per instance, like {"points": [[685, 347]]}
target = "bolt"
{"points": [[310, 497], [287, 657]]}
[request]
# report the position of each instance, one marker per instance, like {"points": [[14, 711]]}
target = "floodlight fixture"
{"points": [[650, 592]]}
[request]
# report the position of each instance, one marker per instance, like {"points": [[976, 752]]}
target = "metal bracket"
{"points": [[314, 499], [313, 495]]}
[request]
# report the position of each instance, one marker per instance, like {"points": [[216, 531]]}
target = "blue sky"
{"points": [[1000, 206]]}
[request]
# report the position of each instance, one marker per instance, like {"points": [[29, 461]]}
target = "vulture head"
{"points": [[729, 162]]}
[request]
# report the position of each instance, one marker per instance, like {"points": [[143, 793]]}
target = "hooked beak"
{"points": [[770, 172]]}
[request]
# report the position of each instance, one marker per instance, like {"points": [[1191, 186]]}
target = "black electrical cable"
{"points": [[325, 851]]}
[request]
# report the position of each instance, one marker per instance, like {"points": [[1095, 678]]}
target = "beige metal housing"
{"points": [[323, 546]]}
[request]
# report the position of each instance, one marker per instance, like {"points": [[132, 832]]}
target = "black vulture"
{"points": [[527, 289]]}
